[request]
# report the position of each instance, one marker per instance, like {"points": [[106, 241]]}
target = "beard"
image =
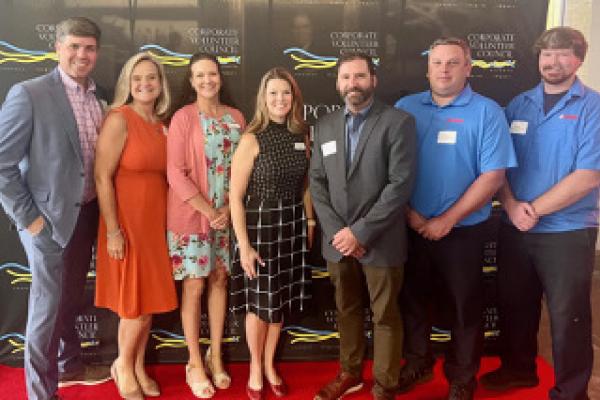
{"points": [[356, 95], [557, 79]]}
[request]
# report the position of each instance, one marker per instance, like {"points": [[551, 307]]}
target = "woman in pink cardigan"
{"points": [[200, 144]]}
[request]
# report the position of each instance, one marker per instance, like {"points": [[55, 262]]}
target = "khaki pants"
{"points": [[383, 284]]}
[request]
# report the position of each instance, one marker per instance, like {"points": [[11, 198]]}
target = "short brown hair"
{"points": [[453, 41], [562, 37], [351, 56], [77, 26]]}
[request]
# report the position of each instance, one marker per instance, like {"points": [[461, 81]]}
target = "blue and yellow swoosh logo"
{"points": [[301, 334], [18, 273], [175, 59], [10, 53], [168, 339], [307, 60], [21, 274], [16, 340], [495, 64], [319, 272]]}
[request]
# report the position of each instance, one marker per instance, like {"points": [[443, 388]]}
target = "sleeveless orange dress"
{"points": [[140, 283]]}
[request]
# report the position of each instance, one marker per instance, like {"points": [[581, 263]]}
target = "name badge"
{"points": [[234, 126], [328, 148], [447, 137], [518, 127], [299, 146]]}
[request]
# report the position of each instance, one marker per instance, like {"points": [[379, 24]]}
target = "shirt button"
{"points": [[82, 174], [78, 204]]}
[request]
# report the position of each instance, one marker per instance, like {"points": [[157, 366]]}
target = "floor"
{"points": [[545, 344]]}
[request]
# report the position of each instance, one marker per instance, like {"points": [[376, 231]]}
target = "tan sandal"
{"points": [[201, 389], [149, 387], [221, 380], [135, 394]]}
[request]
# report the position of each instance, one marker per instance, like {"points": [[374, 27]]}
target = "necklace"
{"points": [[208, 111]]}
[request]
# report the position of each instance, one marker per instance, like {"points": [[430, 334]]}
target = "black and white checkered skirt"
{"points": [[277, 230]]}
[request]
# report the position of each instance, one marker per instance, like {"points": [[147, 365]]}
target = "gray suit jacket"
{"points": [[38, 130], [369, 197]]}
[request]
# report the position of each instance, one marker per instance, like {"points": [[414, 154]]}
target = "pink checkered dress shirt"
{"points": [[88, 114]]}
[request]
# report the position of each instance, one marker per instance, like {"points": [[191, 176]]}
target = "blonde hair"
{"points": [[123, 86], [294, 121]]}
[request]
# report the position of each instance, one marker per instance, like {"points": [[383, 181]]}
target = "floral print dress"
{"points": [[194, 256]]}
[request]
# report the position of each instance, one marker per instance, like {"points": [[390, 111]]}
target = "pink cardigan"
{"points": [[187, 171]]}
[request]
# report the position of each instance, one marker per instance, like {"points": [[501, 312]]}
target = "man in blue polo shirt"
{"points": [[547, 244], [463, 149]]}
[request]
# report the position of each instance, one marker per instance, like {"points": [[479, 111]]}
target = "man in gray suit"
{"points": [[361, 176], [48, 126]]}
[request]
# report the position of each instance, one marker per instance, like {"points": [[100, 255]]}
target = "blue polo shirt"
{"points": [[551, 146], [456, 143]]}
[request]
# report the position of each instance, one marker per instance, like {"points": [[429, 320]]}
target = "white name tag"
{"points": [[234, 126], [299, 146], [328, 148], [447, 137], [518, 127]]}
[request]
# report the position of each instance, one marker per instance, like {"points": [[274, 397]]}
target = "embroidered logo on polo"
{"points": [[568, 116], [456, 120]]}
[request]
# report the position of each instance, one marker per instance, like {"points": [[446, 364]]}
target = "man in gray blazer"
{"points": [[48, 130], [361, 176]]}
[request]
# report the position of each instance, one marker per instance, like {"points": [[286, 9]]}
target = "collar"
{"points": [[536, 95], [72, 84], [363, 113], [463, 98]]}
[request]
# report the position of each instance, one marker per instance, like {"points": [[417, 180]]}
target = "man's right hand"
{"points": [[36, 226]]}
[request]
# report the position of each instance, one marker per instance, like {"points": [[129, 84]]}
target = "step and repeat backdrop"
{"points": [[249, 37]]}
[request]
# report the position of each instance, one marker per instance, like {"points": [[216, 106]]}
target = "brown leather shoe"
{"points": [[343, 384]]}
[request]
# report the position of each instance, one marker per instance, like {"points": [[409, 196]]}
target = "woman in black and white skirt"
{"points": [[269, 208]]}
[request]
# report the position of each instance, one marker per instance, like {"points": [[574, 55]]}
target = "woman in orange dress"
{"points": [[133, 271]]}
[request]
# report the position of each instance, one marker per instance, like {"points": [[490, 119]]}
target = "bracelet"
{"points": [[113, 233], [311, 222]]}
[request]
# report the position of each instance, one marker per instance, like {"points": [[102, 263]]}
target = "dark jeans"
{"points": [[560, 266], [456, 260], [383, 284]]}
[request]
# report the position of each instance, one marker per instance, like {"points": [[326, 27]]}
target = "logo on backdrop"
{"points": [[484, 64], [166, 339], [301, 334], [87, 327], [306, 60], [15, 340], [20, 274], [175, 59], [46, 33], [9, 53], [341, 42]]}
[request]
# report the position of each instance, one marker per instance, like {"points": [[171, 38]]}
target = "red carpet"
{"points": [[303, 378]]}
